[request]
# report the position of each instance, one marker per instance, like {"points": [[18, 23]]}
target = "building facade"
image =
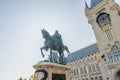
{"points": [[85, 64], [104, 16]]}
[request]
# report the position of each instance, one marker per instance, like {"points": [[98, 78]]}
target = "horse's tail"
{"points": [[66, 48]]}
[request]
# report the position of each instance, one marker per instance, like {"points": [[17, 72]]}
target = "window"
{"points": [[114, 47], [81, 70], [85, 70], [103, 20], [96, 78], [109, 35], [74, 72], [110, 57], [116, 55], [90, 70], [94, 70], [77, 72], [97, 66], [100, 78]]}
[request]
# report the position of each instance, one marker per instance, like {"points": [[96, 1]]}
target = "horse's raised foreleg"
{"points": [[42, 51]]}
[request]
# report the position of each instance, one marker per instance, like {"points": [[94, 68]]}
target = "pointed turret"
{"points": [[95, 3], [86, 4], [86, 8]]}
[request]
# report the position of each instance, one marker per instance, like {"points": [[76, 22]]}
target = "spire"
{"points": [[86, 8], [95, 3], [86, 4]]}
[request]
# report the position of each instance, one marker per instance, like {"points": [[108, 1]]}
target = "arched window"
{"points": [[114, 47], [103, 20]]}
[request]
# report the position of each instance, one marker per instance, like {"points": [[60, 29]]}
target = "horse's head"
{"points": [[45, 34]]}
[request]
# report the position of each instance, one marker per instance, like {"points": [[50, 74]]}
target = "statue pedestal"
{"points": [[52, 71]]}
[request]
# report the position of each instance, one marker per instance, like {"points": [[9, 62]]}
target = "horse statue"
{"points": [[55, 43]]}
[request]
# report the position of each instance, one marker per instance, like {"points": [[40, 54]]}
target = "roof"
{"points": [[95, 3], [87, 51]]}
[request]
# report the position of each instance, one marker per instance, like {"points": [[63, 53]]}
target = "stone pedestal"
{"points": [[51, 71]]}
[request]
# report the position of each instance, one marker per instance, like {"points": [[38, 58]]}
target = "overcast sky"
{"points": [[20, 38]]}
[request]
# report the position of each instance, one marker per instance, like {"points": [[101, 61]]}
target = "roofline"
{"points": [[84, 47]]}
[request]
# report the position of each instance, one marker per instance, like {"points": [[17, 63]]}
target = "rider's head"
{"points": [[56, 31]]}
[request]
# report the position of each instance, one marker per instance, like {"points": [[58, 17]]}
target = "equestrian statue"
{"points": [[55, 43]]}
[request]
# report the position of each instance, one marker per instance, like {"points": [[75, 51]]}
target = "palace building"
{"points": [[104, 16], [100, 61], [85, 64]]}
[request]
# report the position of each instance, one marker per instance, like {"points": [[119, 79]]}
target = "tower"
{"points": [[104, 16]]}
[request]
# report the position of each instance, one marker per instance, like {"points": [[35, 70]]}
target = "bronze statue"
{"points": [[54, 42]]}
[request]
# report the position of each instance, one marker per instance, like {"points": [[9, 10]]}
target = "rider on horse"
{"points": [[58, 39], [54, 42]]}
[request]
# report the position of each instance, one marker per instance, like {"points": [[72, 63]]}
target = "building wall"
{"points": [[107, 31], [86, 68]]}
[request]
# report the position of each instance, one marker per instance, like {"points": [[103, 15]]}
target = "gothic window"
{"points": [[74, 72], [81, 70], [110, 57], [103, 20], [97, 66], [109, 34], [85, 70], [116, 55], [114, 47], [77, 72], [90, 70], [94, 70]]}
